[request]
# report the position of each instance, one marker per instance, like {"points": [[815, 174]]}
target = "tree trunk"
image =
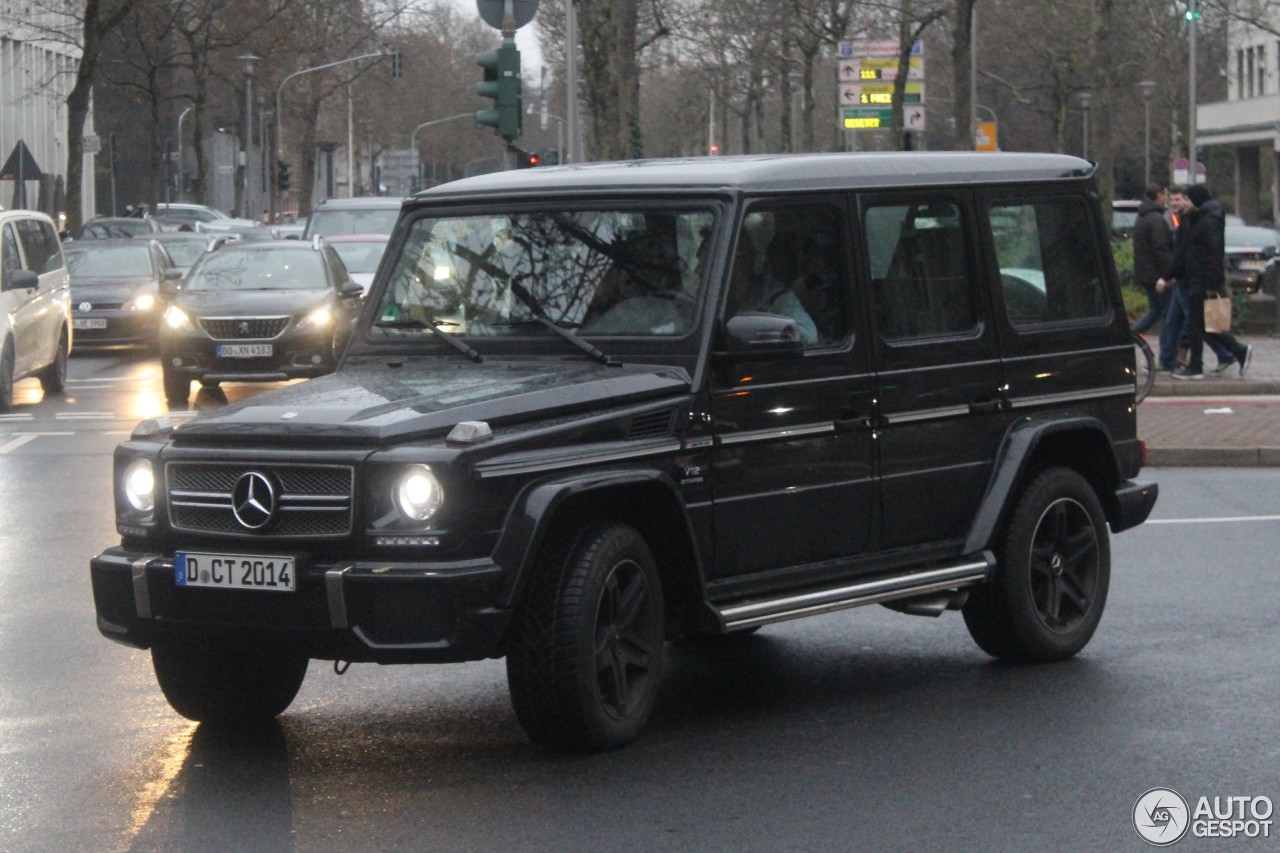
{"points": [[962, 107]]}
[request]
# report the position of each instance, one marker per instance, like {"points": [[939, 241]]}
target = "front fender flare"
{"points": [[534, 510]]}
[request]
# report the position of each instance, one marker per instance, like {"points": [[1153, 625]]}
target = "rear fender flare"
{"points": [[1069, 439]]}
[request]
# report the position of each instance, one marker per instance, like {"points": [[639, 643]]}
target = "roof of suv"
{"points": [[361, 202], [777, 172]]}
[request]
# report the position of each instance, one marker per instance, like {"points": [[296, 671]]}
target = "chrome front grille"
{"points": [[310, 500], [243, 328]]}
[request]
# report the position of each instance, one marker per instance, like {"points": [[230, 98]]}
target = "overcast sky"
{"points": [[526, 38]]}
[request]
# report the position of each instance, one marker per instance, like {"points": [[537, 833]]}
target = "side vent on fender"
{"points": [[650, 425]]}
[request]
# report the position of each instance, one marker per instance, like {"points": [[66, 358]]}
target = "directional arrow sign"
{"points": [[850, 94]]}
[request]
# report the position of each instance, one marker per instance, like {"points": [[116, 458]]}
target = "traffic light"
{"points": [[525, 159], [283, 182], [502, 84], [1193, 11]]}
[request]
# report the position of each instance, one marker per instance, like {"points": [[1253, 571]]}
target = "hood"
{"points": [[378, 402], [94, 288], [250, 303]]}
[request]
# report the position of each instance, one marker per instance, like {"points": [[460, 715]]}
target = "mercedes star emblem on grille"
{"points": [[253, 500]]}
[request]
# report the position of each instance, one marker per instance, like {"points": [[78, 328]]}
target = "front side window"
{"points": [[789, 261], [919, 269], [1050, 271], [10, 260], [627, 272], [40, 244]]}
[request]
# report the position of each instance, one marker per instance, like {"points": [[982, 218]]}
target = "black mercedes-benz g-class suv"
{"points": [[594, 408]]}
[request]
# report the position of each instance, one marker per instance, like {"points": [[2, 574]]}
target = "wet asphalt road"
{"points": [[867, 730]]}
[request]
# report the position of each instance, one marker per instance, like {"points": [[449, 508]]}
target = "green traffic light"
{"points": [[501, 84]]}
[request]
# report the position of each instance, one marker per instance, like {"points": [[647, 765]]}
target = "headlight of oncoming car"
{"points": [[175, 318], [141, 302], [417, 493], [138, 482], [317, 319]]}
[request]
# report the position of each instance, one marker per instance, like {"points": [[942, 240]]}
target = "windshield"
{"points": [[374, 220], [360, 257], [185, 252], [602, 272], [110, 261], [276, 269]]}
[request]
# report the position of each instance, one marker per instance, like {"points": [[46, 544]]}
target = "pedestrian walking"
{"points": [[1197, 267], [1152, 252]]}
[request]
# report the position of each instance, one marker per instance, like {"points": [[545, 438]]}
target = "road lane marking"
{"points": [[16, 443], [1230, 518], [85, 416], [17, 416]]}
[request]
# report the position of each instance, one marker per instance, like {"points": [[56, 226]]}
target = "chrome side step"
{"points": [[749, 614]]}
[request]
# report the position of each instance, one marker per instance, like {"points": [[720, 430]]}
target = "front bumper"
{"points": [[294, 356], [124, 328], [352, 611]]}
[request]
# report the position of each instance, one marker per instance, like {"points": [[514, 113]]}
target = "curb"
{"points": [[1212, 457]]}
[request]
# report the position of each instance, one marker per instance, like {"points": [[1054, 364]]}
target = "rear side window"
{"points": [[1050, 269], [40, 244], [10, 260], [919, 269]]}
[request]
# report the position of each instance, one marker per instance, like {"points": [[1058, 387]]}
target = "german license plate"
{"points": [[243, 350], [89, 323], [1253, 264], [235, 571]]}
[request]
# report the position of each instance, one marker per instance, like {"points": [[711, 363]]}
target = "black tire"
{"points": [[177, 388], [6, 378], [588, 642], [53, 379], [212, 684], [1053, 569]]}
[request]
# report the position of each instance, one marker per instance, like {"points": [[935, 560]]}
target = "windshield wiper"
{"points": [[433, 326], [540, 316]]}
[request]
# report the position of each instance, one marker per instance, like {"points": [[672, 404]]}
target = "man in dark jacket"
{"points": [[1152, 251], [1198, 266]]}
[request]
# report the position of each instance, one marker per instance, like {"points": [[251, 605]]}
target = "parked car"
{"points": [[115, 290], [173, 215], [35, 304], [256, 311], [117, 227], [1124, 215], [361, 254], [1252, 258], [360, 215], [588, 410]]}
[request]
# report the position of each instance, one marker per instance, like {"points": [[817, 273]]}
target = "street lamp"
{"points": [[1085, 97], [1147, 88], [248, 59], [182, 164]]}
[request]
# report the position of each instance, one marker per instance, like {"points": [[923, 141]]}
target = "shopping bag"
{"points": [[1217, 312]]}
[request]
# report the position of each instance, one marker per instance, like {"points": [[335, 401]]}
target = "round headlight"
{"points": [[141, 302], [140, 485], [418, 494], [177, 319]]}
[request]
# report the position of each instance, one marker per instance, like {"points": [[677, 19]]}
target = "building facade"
{"points": [[37, 72]]}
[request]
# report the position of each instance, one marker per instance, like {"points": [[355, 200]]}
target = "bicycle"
{"points": [[1145, 368]]}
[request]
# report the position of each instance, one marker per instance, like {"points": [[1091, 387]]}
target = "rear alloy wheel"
{"points": [[1053, 569], [177, 388], [587, 651], [209, 683], [53, 379], [6, 378]]}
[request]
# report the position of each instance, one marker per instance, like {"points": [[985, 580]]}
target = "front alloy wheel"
{"points": [[587, 651]]}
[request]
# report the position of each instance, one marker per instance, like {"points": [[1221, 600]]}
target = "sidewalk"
{"points": [[1225, 420]]}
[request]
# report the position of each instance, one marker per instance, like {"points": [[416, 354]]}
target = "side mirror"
{"points": [[172, 274], [22, 280], [757, 333], [350, 289], [170, 288]]}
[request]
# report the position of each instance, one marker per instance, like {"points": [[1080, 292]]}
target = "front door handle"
{"points": [[851, 423], [985, 407]]}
